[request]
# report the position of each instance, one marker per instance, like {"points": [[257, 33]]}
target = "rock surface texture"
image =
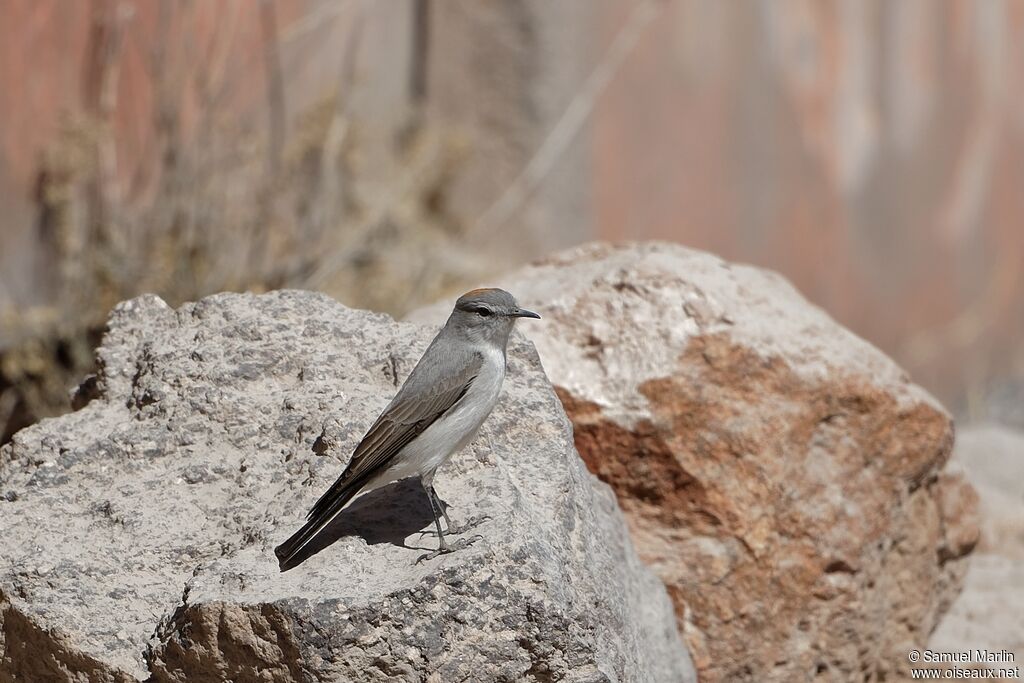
{"points": [[138, 531], [782, 476], [989, 614]]}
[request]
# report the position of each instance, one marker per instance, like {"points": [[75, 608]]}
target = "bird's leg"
{"points": [[437, 501], [431, 496], [443, 547], [471, 523]]}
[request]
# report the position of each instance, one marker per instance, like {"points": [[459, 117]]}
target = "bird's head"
{"points": [[487, 315]]}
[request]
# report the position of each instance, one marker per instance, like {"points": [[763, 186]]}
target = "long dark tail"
{"points": [[300, 545]]}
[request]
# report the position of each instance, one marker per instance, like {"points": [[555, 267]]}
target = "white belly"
{"points": [[453, 430]]}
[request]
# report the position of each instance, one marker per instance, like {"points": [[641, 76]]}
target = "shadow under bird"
{"points": [[438, 410]]}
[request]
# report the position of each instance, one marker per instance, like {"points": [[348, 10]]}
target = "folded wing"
{"points": [[425, 396]]}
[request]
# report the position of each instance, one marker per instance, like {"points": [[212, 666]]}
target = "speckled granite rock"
{"points": [[138, 531], [782, 476]]}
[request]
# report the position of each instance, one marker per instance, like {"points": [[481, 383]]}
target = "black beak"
{"points": [[523, 313]]}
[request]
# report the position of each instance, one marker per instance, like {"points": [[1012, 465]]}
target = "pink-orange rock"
{"points": [[782, 476]]}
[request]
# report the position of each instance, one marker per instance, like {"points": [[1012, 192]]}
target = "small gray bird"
{"points": [[438, 410]]}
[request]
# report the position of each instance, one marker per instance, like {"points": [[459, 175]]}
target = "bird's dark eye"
{"points": [[482, 311]]}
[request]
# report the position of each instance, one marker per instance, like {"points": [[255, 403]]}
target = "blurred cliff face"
{"points": [[185, 148], [873, 152], [389, 153]]}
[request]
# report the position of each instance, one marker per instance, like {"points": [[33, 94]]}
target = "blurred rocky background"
{"points": [[389, 153]]}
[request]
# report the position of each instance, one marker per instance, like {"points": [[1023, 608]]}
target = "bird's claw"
{"points": [[445, 549], [470, 523]]}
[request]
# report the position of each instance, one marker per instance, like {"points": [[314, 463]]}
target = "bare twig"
{"points": [[420, 46], [962, 214], [104, 70], [325, 12], [543, 159], [327, 179], [8, 401], [212, 84], [569, 124], [275, 86]]}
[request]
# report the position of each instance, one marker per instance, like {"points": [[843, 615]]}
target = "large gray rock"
{"points": [[138, 531]]}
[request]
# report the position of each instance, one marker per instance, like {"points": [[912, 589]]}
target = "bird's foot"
{"points": [[456, 529], [446, 548]]}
